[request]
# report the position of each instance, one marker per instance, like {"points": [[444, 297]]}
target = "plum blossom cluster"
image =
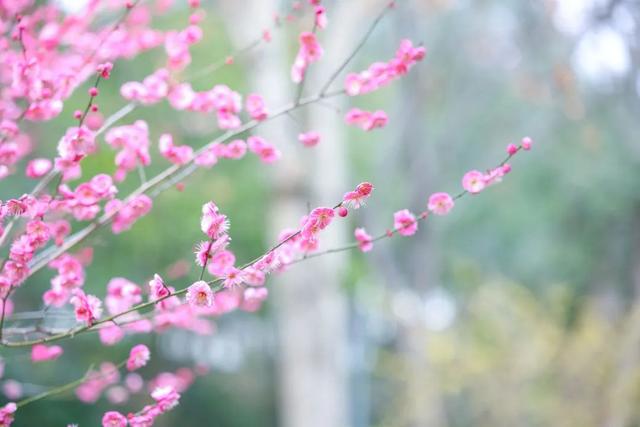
{"points": [[357, 198], [176, 154], [36, 234], [306, 239], [45, 60], [244, 287], [7, 414], [132, 143], [70, 277], [43, 63], [165, 391], [74, 146], [177, 43], [310, 51], [126, 213], [165, 399], [170, 312], [153, 89], [221, 100], [366, 120], [122, 294], [87, 308], [380, 74], [117, 388], [256, 107], [97, 381], [220, 262], [47, 55], [266, 151], [84, 202], [475, 181], [237, 149], [405, 223]]}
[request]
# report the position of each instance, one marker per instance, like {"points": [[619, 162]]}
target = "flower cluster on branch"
{"points": [[48, 55]]}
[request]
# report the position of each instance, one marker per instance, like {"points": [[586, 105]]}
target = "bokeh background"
{"points": [[520, 308]]}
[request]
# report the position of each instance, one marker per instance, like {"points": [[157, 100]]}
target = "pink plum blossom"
{"points": [[114, 419], [405, 223], [7, 413], [176, 154], [234, 277], [309, 139], [37, 168], [380, 74], [138, 357], [473, 181], [440, 203], [42, 353], [366, 120], [267, 152], [200, 294], [88, 308], [213, 223], [132, 143], [365, 242], [355, 199], [166, 398], [256, 107], [310, 51], [253, 298]]}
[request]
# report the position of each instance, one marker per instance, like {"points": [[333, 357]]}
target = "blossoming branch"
{"points": [[48, 55]]}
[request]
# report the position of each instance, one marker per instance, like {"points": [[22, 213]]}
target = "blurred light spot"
{"points": [[572, 16], [601, 54], [71, 6], [622, 19], [225, 354], [406, 306], [439, 310]]}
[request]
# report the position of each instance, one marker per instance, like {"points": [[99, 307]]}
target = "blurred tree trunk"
{"points": [[310, 306]]}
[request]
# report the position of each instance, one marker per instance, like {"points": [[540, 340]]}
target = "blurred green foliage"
{"points": [[509, 359]]}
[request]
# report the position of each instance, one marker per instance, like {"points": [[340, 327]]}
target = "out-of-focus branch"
{"points": [[69, 386], [344, 64]]}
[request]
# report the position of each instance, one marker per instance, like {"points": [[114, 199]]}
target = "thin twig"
{"points": [[373, 25], [4, 310], [206, 260], [69, 386], [391, 232], [116, 117], [212, 68], [141, 174], [306, 71]]}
